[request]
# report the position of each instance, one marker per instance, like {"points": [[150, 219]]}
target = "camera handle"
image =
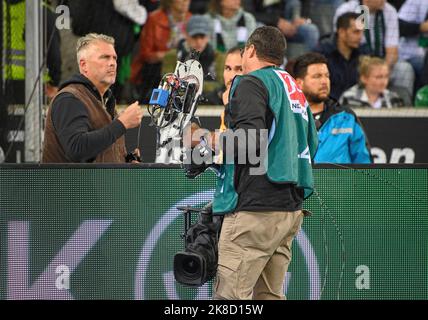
{"points": [[187, 211]]}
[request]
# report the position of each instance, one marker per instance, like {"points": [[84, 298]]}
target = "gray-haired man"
{"points": [[82, 124]]}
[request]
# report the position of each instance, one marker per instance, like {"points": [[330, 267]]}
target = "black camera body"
{"points": [[206, 161], [191, 269], [197, 264], [132, 156]]}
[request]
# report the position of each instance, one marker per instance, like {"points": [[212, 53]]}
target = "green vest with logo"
{"points": [[292, 139]]}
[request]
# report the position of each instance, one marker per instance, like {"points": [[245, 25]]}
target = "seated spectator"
{"points": [[413, 19], [285, 15], [343, 53], [382, 39], [197, 38], [164, 29], [232, 66], [341, 136], [132, 10], [322, 12], [136, 16], [230, 24], [115, 18], [372, 90]]}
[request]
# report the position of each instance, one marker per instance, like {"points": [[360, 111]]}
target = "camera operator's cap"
{"points": [[198, 24]]}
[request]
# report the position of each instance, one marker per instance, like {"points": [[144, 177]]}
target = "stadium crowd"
{"points": [[152, 34]]}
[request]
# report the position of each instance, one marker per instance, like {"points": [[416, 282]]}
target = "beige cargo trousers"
{"points": [[254, 254]]}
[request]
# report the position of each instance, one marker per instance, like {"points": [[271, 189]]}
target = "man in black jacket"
{"points": [[81, 125], [343, 51], [286, 16]]}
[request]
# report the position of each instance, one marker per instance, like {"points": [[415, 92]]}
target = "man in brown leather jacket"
{"points": [[82, 124]]}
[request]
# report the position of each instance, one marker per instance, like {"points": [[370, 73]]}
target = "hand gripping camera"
{"points": [[197, 264]]}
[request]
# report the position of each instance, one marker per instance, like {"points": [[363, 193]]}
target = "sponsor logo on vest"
{"points": [[298, 103]]}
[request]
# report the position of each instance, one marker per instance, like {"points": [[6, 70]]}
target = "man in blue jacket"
{"points": [[340, 134]]}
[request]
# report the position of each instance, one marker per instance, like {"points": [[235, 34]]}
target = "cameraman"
{"points": [[263, 212]]}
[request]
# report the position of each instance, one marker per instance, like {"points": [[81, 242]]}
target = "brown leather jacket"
{"points": [[53, 151]]}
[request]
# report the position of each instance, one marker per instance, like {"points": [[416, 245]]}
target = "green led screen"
{"points": [[111, 233]]}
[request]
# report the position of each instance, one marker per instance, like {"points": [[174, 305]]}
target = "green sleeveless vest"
{"points": [[292, 141]]}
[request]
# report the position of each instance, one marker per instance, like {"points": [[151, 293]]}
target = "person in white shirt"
{"points": [[413, 18]]}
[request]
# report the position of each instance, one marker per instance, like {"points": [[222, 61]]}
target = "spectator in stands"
{"points": [[199, 6], [372, 90], [164, 29], [232, 67], [382, 40], [120, 19], [230, 24], [342, 51], [136, 16], [340, 133], [285, 14], [197, 38], [321, 13], [82, 124], [413, 19], [53, 59], [132, 10]]}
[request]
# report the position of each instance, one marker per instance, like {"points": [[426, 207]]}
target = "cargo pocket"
{"points": [[227, 275]]}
